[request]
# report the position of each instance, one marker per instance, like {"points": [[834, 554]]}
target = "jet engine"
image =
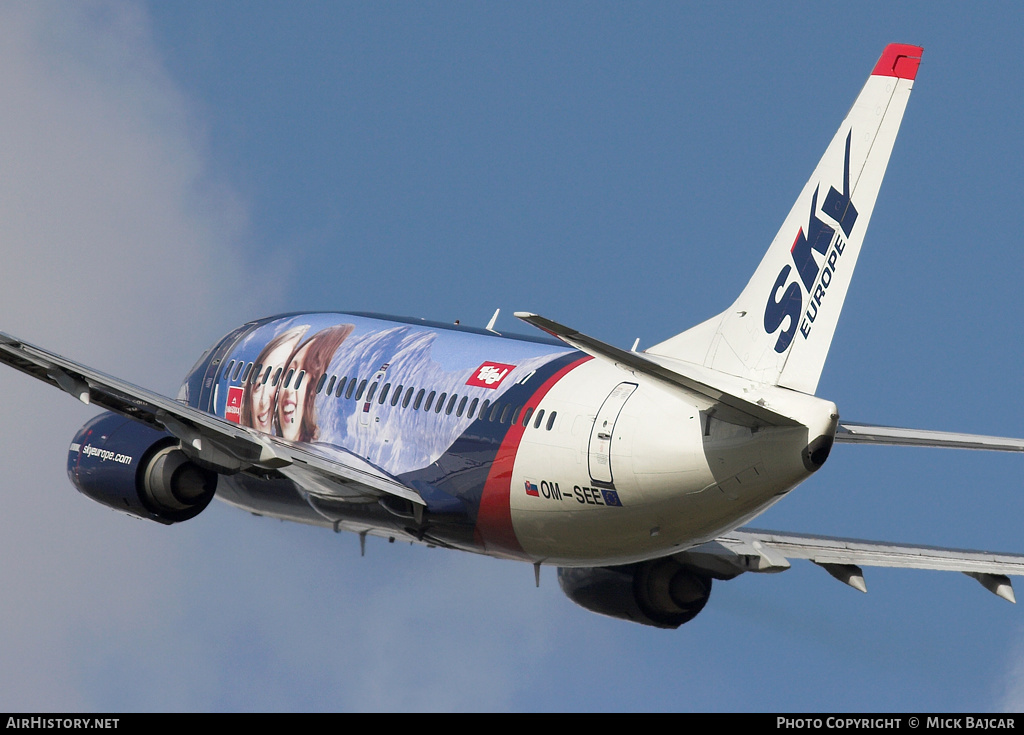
{"points": [[662, 593], [138, 470]]}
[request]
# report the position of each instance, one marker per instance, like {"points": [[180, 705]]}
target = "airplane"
{"points": [[632, 472]]}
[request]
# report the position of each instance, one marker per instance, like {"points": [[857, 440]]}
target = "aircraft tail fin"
{"points": [[779, 329]]}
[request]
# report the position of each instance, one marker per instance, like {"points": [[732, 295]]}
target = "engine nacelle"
{"points": [[662, 593], [139, 470]]}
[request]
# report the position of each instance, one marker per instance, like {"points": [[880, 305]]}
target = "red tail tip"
{"points": [[899, 60]]}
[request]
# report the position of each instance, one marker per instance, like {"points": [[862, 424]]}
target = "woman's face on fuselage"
{"points": [[291, 401], [263, 393]]}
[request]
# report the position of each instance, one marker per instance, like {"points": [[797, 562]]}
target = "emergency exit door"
{"points": [[603, 433]]}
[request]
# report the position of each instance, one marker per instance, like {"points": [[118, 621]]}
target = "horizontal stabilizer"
{"points": [[854, 433]]}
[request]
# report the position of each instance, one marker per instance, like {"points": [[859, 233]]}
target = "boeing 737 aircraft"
{"points": [[632, 472]]}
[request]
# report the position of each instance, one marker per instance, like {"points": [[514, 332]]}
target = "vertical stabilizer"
{"points": [[779, 329]]}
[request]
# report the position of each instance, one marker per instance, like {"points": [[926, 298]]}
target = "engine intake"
{"points": [[138, 470]]}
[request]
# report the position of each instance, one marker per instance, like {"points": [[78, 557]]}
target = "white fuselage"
{"points": [[677, 476]]}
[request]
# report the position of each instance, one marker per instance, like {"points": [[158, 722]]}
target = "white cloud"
{"points": [[111, 227], [1010, 697], [115, 243]]}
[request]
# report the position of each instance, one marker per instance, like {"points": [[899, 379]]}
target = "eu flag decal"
{"points": [[611, 498]]}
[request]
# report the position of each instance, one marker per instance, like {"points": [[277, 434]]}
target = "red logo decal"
{"points": [[233, 410], [490, 375]]}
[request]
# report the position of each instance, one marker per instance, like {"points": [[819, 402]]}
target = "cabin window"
{"points": [[298, 380], [515, 415], [440, 403], [462, 406], [384, 394], [330, 385], [504, 413], [430, 399], [483, 409], [397, 396], [288, 378], [277, 377], [472, 408], [266, 375], [540, 417], [238, 369], [226, 375], [256, 374], [494, 412], [451, 404], [527, 415], [360, 389], [245, 375], [373, 389], [419, 400], [408, 397], [551, 420]]}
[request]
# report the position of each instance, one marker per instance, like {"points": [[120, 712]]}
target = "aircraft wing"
{"points": [[757, 550], [206, 437], [855, 433]]}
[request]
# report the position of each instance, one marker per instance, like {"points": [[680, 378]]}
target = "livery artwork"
{"points": [[812, 279], [361, 384]]}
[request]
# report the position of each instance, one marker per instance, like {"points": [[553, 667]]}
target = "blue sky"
{"points": [[170, 170]]}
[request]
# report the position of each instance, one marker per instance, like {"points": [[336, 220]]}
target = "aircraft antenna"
{"points": [[490, 324]]}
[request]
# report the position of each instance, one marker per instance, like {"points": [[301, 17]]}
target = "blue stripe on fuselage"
{"points": [[455, 481]]}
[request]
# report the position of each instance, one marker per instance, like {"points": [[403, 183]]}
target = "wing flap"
{"points": [[837, 550], [758, 550]]}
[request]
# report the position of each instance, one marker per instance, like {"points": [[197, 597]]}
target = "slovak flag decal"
{"points": [[233, 409], [531, 489], [490, 374]]}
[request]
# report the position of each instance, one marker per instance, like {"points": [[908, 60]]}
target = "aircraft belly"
{"points": [[282, 500], [272, 498]]}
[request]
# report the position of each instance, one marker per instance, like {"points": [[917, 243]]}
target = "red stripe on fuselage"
{"points": [[494, 530]]}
